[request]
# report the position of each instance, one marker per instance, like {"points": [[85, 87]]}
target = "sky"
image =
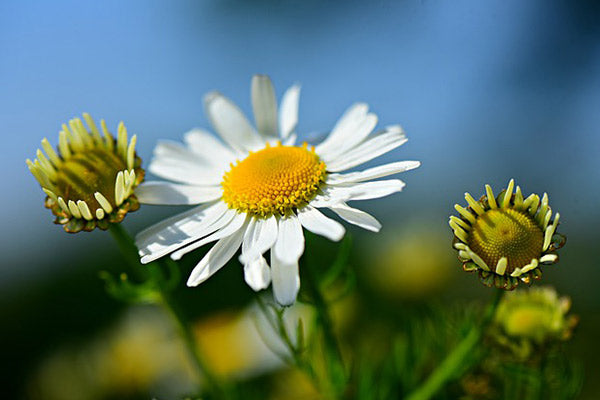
{"points": [[485, 92]]}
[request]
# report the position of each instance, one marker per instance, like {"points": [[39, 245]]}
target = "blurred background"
{"points": [[486, 91]]}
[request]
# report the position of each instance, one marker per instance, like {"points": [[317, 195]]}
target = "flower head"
{"points": [[89, 182], [506, 238], [536, 314], [258, 190]]}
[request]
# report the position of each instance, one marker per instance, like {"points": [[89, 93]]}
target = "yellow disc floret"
{"points": [[506, 232], [274, 180]]}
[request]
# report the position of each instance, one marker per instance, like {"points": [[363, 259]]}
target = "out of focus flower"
{"points": [[506, 238], [536, 314], [89, 182], [259, 189], [410, 264], [528, 319], [143, 354]]}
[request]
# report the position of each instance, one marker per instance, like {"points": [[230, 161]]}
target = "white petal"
{"points": [[290, 241], [216, 258], [313, 220], [367, 190], [226, 227], [290, 140], [155, 192], [229, 122], [288, 116], [264, 105], [185, 171], [206, 145], [346, 124], [177, 231], [372, 173], [357, 217], [353, 136], [257, 274], [260, 237], [286, 280], [368, 150], [177, 151]]}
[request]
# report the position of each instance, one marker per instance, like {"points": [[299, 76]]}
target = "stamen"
{"points": [[119, 188], [131, 152], [103, 202], [508, 194], [490, 197], [122, 141], [474, 204], [109, 140], [51, 153], [550, 232], [93, 128], [74, 209], [460, 222], [85, 210], [501, 266], [63, 205], [63, 145], [465, 213]]}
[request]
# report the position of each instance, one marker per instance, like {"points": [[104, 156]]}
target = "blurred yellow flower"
{"points": [[411, 263]]}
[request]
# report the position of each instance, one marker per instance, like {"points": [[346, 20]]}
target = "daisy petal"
{"points": [[367, 190], [288, 116], [225, 229], [290, 241], [357, 217], [184, 171], [354, 136], [372, 173], [216, 258], [260, 237], [344, 127], [173, 194], [257, 274], [314, 221], [264, 106], [177, 231], [206, 145], [229, 122], [368, 150], [285, 279]]}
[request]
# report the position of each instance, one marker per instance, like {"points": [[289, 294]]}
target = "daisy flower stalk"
{"points": [[258, 189], [507, 238], [89, 181]]}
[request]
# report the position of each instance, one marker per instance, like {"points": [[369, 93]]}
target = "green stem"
{"points": [[455, 361], [336, 361], [168, 302]]}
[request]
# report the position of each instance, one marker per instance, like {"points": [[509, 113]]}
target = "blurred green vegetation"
{"points": [[409, 304]]}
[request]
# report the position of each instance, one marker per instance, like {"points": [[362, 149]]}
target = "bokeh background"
{"points": [[487, 91]]}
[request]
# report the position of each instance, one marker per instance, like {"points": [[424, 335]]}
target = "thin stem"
{"points": [[335, 360], [457, 358], [168, 302]]}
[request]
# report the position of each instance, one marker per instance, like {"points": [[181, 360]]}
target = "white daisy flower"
{"points": [[258, 189]]}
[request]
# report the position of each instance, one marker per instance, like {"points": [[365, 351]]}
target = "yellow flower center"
{"points": [[86, 173], [505, 232], [273, 180]]}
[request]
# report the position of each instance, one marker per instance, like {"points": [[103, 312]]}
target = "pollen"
{"points": [[505, 232], [274, 180]]}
